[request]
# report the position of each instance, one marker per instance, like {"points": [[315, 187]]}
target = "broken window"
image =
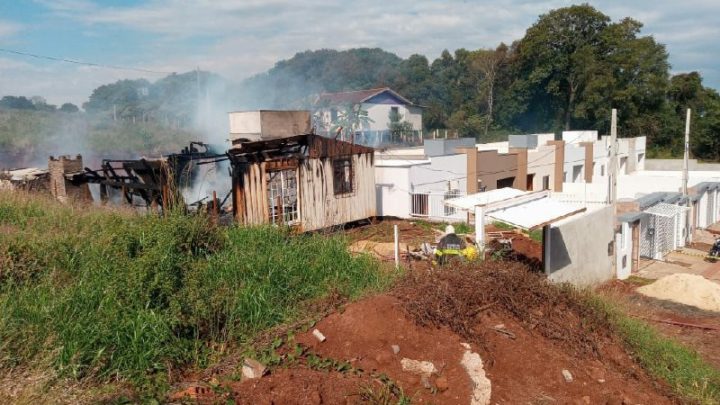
{"points": [[342, 176], [282, 197]]}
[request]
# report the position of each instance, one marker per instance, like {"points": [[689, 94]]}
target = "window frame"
{"points": [[341, 185]]}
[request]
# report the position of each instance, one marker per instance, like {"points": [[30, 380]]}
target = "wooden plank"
{"points": [[264, 193]]}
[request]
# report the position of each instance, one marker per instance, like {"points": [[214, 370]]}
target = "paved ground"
{"points": [[684, 261]]}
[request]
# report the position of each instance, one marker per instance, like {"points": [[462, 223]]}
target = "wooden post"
{"points": [[480, 230], [397, 246], [216, 209]]}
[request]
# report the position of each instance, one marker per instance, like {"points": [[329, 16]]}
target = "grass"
{"points": [[681, 367], [104, 295]]}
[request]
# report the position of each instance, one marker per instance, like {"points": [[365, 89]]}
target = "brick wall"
{"points": [[60, 187]]}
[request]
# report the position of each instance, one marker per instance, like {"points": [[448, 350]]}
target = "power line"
{"points": [[77, 62]]}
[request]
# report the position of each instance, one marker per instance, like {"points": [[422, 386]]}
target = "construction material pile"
{"points": [[686, 289]]}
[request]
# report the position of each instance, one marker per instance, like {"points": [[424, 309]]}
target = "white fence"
{"points": [[432, 206]]}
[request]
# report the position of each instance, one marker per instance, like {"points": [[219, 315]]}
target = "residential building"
{"points": [[379, 104]]}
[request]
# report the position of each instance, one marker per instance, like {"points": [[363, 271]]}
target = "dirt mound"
{"points": [[455, 297], [364, 334], [687, 289], [528, 331], [303, 387]]}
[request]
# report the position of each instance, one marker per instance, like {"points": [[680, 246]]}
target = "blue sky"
{"points": [[238, 38]]}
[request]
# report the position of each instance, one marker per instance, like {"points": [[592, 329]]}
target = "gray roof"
{"points": [[631, 216]]}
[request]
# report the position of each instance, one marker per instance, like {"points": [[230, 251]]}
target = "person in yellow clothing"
{"points": [[452, 246]]}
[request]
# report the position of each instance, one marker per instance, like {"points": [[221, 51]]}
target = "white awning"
{"points": [[535, 213], [469, 202]]}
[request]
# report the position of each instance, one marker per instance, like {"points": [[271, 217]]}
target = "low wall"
{"points": [[677, 164], [577, 250]]}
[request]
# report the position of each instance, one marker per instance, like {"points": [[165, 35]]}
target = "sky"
{"points": [[239, 38]]}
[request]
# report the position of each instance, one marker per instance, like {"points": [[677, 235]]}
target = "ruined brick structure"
{"points": [[60, 185]]}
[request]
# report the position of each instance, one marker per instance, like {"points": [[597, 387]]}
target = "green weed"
{"points": [[110, 295]]}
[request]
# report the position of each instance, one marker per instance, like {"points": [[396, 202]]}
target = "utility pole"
{"points": [[686, 157], [685, 175], [612, 169]]}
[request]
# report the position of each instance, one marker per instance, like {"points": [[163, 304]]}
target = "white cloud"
{"points": [[9, 28], [240, 38]]}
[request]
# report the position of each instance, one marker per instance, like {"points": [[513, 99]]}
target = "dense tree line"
{"points": [[569, 70]]}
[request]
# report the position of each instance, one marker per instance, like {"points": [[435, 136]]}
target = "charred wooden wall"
{"points": [[319, 206]]}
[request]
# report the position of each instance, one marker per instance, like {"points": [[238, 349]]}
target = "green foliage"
{"points": [[111, 295], [681, 367], [398, 128]]}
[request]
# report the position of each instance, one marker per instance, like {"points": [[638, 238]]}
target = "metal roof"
{"points": [[535, 214], [658, 197], [523, 209]]}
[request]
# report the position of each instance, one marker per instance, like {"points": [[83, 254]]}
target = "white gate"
{"points": [[431, 205], [662, 231]]}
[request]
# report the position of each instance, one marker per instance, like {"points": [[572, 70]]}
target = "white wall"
{"points": [[392, 184], [444, 173], [623, 249], [574, 156], [541, 162], [380, 113]]}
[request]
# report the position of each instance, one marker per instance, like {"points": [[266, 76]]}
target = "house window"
{"points": [[529, 182], [546, 182], [506, 182], [282, 197], [394, 110], [420, 204], [602, 170], [333, 115], [342, 176]]}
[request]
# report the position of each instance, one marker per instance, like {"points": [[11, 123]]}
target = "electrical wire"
{"points": [[77, 62], [463, 176]]}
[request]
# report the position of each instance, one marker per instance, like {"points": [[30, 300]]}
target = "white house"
{"points": [[378, 103], [415, 182]]}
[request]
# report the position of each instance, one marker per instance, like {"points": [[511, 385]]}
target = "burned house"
{"points": [[305, 181], [26, 179], [64, 184]]}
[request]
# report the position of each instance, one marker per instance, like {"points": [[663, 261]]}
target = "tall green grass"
{"points": [[682, 368], [104, 294]]}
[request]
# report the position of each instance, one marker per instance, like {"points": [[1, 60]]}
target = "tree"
{"points": [[350, 119], [487, 64], [556, 60], [399, 130], [69, 108], [18, 103]]}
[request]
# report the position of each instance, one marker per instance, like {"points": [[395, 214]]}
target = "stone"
{"points": [[423, 368], [395, 349], [252, 369], [441, 383], [318, 335], [465, 345], [567, 376], [586, 399], [481, 387]]}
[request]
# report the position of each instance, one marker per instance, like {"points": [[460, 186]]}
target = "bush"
{"points": [[119, 295]]}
